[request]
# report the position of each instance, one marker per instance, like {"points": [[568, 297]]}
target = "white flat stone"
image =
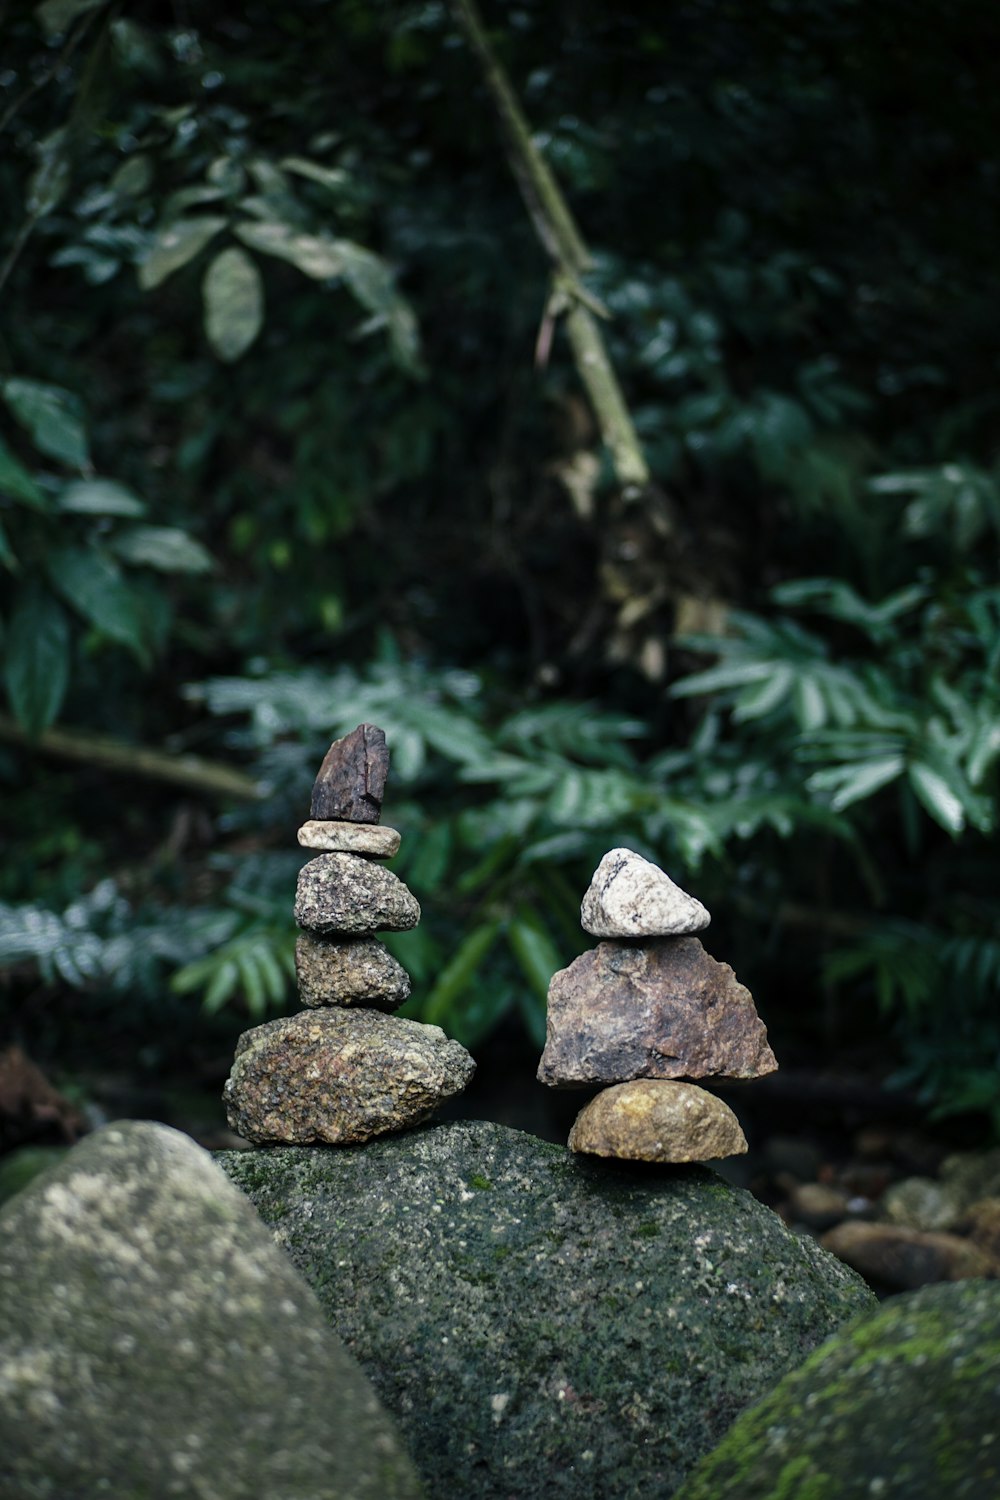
{"points": [[631, 897], [369, 839]]}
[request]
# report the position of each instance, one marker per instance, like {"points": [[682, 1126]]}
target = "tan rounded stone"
{"points": [[354, 971], [372, 840], [648, 1120]]}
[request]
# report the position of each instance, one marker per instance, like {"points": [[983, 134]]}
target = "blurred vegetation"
{"points": [[290, 438]]}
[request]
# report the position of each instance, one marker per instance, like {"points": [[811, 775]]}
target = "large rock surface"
{"points": [[902, 1405], [659, 1009], [338, 1077], [542, 1324], [155, 1343]]}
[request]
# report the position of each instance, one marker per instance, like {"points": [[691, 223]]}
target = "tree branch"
{"points": [[133, 760]]}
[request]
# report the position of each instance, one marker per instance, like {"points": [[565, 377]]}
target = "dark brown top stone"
{"points": [[351, 780], [661, 1009]]}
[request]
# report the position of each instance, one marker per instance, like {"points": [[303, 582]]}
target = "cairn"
{"points": [[645, 1008], [345, 1069]]}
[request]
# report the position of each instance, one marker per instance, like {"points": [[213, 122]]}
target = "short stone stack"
{"points": [[645, 1008], [344, 1070]]}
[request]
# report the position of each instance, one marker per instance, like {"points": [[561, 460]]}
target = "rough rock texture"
{"points": [[340, 1076], [899, 1406], [656, 1010], [543, 1324], [907, 1258], [371, 840], [629, 897], [653, 1121], [354, 971], [351, 780], [345, 893], [155, 1343], [982, 1223]]}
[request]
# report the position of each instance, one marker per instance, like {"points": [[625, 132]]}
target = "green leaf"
{"points": [[937, 797], [100, 497], [757, 701], [36, 659], [234, 303], [57, 15], [17, 483], [133, 177], [53, 417], [854, 782], [535, 952], [93, 584], [166, 548], [328, 177], [50, 178], [314, 255], [458, 973], [175, 244], [8, 557]]}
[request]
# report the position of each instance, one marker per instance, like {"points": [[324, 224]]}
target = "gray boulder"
{"points": [[542, 1323], [902, 1405], [155, 1343]]}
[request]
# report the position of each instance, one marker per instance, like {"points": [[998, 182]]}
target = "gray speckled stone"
{"points": [[544, 1324], [340, 1077], [345, 893], [902, 1405], [155, 1343], [353, 971]]}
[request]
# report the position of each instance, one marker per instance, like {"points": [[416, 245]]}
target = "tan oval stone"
{"points": [[372, 840], [648, 1120]]}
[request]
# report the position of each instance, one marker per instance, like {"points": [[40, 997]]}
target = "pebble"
{"points": [[344, 893], [353, 971], [373, 840], [904, 1259], [630, 897], [645, 1120]]}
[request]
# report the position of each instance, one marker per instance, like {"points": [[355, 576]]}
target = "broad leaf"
{"points": [[458, 973], [234, 303], [313, 254], [50, 178], [17, 483], [8, 557], [166, 548], [937, 797], [100, 497], [175, 244], [328, 177], [93, 584], [36, 659], [53, 416]]}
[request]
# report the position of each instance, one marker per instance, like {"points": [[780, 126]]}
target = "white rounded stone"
{"points": [[631, 897]]}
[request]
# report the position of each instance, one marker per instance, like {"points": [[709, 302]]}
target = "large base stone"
{"points": [[340, 1077], [543, 1324]]}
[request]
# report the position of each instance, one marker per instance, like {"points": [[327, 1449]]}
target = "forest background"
{"points": [[293, 435]]}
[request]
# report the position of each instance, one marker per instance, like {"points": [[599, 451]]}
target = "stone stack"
{"points": [[645, 1008], [344, 1069]]}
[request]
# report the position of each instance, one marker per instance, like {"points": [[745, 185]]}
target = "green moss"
{"points": [[481, 1183], [648, 1230]]}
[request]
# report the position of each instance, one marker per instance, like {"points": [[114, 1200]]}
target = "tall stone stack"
{"points": [[643, 1010], [345, 1069]]}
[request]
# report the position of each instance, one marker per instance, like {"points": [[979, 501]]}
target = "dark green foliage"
{"points": [[269, 269]]}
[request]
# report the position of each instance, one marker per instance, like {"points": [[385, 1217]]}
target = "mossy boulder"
{"points": [[154, 1342], [541, 1323], [902, 1405]]}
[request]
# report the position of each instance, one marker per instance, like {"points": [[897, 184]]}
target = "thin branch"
{"points": [[132, 760], [557, 230]]}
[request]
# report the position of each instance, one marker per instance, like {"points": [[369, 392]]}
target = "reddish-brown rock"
{"points": [[351, 781], [662, 1009], [906, 1258]]}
